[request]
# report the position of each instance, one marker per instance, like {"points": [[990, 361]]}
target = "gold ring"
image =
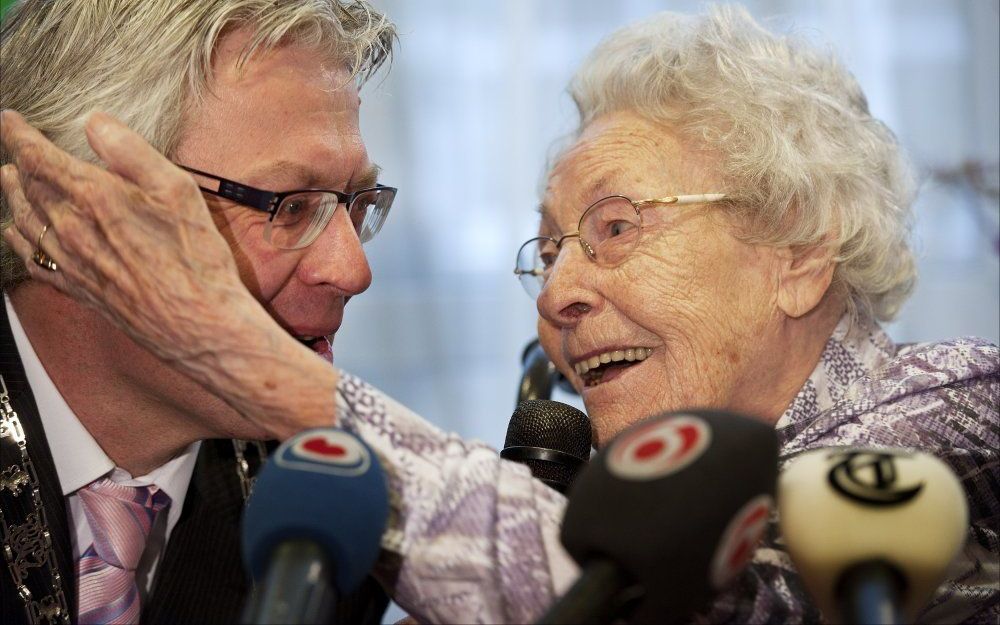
{"points": [[42, 259]]}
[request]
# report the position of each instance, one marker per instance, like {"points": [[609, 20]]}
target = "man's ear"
{"points": [[804, 278]]}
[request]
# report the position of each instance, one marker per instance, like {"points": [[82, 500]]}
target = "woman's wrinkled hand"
{"points": [[134, 241]]}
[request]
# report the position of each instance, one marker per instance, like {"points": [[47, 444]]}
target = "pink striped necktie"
{"points": [[120, 518]]}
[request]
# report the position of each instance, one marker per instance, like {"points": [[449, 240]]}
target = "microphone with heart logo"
{"points": [[313, 526]]}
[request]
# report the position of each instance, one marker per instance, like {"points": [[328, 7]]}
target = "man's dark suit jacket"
{"points": [[200, 578]]}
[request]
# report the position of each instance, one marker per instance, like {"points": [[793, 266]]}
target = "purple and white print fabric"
{"points": [[473, 538]]}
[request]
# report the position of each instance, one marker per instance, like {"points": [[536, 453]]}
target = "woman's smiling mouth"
{"points": [[608, 365]]}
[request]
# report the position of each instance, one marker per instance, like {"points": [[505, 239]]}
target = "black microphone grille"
{"points": [[550, 425]]}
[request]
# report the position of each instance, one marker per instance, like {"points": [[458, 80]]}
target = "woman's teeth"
{"points": [[632, 354]]}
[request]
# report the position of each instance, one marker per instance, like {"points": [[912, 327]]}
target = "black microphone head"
{"points": [[678, 501], [549, 424], [539, 426]]}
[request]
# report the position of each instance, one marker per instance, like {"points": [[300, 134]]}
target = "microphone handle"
{"points": [[525, 453], [531, 455], [296, 589], [537, 376], [593, 598], [871, 592]]}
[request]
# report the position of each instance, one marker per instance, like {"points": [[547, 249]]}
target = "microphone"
{"points": [[312, 527], [871, 531], [552, 438], [666, 515], [539, 376]]}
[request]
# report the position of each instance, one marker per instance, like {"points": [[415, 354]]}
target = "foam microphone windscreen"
{"points": [[678, 502], [552, 438], [324, 486], [844, 507]]}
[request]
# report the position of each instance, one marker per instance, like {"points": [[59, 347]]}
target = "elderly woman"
{"points": [[726, 229]]}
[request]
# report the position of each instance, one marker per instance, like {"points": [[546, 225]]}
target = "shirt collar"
{"points": [[173, 478], [854, 349], [78, 458]]}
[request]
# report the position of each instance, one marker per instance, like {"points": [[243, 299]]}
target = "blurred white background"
{"points": [[464, 120], [474, 100]]}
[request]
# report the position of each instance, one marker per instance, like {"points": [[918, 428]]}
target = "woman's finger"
{"points": [[27, 222], [25, 249], [41, 199], [38, 159], [68, 233], [75, 275], [33, 153], [18, 243], [129, 155]]}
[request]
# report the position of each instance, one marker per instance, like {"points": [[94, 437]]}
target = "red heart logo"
{"points": [[321, 446], [649, 449]]}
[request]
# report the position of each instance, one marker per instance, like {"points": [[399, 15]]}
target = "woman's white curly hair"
{"points": [[802, 156]]}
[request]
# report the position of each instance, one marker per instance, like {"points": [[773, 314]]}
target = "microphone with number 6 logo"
{"points": [[872, 531], [665, 516], [313, 525]]}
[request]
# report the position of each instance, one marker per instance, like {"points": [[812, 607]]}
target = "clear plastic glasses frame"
{"points": [[608, 231], [298, 217]]}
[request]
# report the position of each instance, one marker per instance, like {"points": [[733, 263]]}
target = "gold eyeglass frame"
{"points": [[637, 205]]}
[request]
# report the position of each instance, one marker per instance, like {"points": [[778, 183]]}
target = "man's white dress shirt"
{"points": [[79, 460]]}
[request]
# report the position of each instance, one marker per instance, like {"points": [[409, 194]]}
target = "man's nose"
{"points": [[336, 257]]}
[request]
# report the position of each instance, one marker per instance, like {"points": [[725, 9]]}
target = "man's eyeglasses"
{"points": [[608, 231], [298, 217]]}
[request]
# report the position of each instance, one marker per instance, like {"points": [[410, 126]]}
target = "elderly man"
{"points": [[725, 230], [144, 518]]}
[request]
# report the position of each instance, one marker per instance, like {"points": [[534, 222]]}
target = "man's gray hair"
{"points": [[803, 158], [147, 63]]}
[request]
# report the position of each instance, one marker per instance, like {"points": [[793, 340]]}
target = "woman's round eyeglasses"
{"points": [[608, 231]]}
